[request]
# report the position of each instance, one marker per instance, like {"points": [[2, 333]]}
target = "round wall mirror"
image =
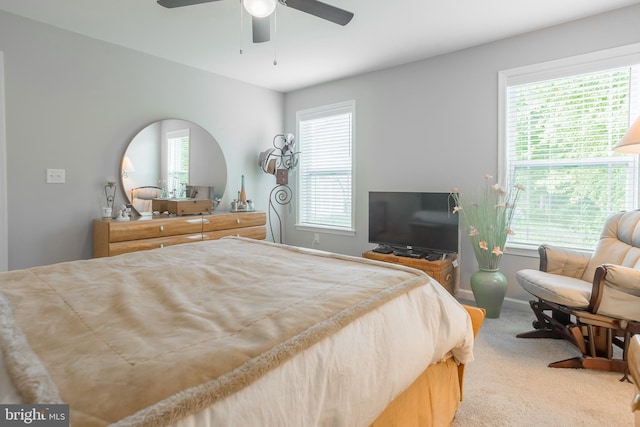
{"points": [[172, 159]]}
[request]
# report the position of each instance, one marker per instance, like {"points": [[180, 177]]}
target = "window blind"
{"points": [[560, 134], [326, 166]]}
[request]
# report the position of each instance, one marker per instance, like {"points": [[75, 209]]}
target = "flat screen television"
{"points": [[413, 222]]}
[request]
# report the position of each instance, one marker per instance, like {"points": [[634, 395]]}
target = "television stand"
{"points": [[445, 271]]}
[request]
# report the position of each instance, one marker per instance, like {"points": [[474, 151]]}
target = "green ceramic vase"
{"points": [[489, 288]]}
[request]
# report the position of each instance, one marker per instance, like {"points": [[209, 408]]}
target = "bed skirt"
{"points": [[432, 400]]}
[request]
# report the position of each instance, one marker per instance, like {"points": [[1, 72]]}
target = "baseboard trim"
{"points": [[517, 304]]}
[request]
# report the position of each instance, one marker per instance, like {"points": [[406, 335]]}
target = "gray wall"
{"points": [[74, 103], [432, 125]]}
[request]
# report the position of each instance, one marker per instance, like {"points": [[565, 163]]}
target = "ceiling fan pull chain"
{"points": [[241, 26], [275, 36]]}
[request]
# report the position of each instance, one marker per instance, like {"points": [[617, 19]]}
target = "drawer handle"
{"points": [[238, 220], [162, 228]]}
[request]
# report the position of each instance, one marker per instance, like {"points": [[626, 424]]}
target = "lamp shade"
{"points": [[127, 166], [630, 142], [260, 8]]}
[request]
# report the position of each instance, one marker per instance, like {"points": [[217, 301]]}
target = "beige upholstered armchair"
{"points": [[591, 300], [142, 197]]}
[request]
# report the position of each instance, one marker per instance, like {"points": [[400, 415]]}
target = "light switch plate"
{"points": [[55, 176]]}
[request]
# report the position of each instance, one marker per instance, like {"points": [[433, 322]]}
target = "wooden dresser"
{"points": [[118, 237], [444, 271]]}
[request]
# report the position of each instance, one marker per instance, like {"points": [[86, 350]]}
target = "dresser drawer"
{"points": [[440, 274], [114, 238], [258, 232], [118, 248], [233, 220], [125, 231]]}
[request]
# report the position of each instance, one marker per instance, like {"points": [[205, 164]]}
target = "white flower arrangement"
{"points": [[487, 220]]}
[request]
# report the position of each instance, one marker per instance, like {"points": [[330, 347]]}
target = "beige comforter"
{"points": [[149, 337]]}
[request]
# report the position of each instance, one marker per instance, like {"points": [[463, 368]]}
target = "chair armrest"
{"points": [[623, 277], [616, 292], [563, 261]]}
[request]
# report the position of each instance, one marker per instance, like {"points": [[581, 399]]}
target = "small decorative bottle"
{"points": [[243, 194]]}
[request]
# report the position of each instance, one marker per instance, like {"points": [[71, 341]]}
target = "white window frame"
{"points": [[318, 112], [171, 137], [590, 62]]}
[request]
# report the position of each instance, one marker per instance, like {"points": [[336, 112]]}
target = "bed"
{"points": [[234, 332]]}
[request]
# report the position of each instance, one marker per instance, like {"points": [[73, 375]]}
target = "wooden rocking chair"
{"points": [[593, 301]]}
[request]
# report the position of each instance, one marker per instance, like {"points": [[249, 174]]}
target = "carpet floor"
{"points": [[509, 383]]}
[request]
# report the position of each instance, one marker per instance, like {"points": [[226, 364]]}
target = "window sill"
{"points": [[532, 252], [522, 250], [327, 230]]}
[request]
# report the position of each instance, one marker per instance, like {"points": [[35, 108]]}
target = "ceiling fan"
{"points": [[261, 10]]}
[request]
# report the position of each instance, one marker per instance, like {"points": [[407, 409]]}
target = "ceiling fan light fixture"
{"points": [[260, 8]]}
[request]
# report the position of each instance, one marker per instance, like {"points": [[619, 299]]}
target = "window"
{"points": [[325, 179], [561, 121], [178, 162]]}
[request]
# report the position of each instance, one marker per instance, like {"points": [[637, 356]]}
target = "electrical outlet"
{"points": [[55, 176]]}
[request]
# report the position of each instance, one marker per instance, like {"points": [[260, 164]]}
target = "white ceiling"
{"points": [[309, 50]]}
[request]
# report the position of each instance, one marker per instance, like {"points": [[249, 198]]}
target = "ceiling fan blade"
{"points": [[321, 10], [180, 3], [261, 28]]}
